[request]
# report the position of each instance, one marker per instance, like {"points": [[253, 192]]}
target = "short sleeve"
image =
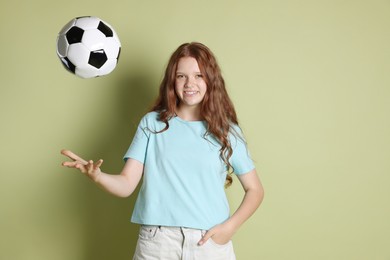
{"points": [[240, 159], [138, 146]]}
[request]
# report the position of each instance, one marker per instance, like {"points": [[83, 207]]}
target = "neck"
{"points": [[189, 113]]}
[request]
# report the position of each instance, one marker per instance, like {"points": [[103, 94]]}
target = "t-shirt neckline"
{"points": [[189, 122]]}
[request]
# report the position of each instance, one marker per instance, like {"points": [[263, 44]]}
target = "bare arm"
{"points": [[121, 185], [253, 197]]}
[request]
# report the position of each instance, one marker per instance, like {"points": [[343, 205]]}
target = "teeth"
{"points": [[190, 92]]}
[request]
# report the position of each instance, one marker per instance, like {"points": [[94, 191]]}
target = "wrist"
{"points": [[96, 177], [231, 225]]}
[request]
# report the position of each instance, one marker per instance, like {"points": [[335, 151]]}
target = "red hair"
{"points": [[216, 109]]}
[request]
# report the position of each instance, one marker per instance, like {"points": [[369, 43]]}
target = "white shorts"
{"points": [[176, 243]]}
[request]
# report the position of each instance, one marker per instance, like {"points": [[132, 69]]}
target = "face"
{"points": [[190, 85]]}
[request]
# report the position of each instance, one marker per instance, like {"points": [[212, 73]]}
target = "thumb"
{"points": [[205, 237]]}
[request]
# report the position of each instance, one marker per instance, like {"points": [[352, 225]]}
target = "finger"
{"points": [[98, 164], [90, 166], [69, 164], [205, 237], [73, 156], [80, 166]]}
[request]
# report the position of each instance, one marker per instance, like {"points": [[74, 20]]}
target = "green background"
{"points": [[311, 85]]}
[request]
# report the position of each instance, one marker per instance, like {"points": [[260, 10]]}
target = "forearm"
{"points": [[249, 204], [117, 185], [222, 233]]}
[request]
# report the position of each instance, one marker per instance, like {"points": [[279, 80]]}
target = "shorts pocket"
{"points": [[148, 232], [212, 242]]}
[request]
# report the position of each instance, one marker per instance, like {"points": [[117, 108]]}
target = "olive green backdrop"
{"points": [[311, 85]]}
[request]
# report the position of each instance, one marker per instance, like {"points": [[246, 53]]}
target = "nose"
{"points": [[188, 83]]}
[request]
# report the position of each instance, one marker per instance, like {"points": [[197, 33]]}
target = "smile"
{"points": [[190, 93]]}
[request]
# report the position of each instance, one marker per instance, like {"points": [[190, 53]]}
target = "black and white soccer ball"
{"points": [[88, 47]]}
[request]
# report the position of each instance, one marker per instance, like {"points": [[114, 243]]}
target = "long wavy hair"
{"points": [[216, 108]]}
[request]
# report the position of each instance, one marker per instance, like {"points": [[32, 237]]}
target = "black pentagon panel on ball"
{"points": [[97, 58], [68, 65], [74, 35], [105, 29]]}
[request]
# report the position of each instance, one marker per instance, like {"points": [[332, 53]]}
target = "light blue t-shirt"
{"points": [[184, 176]]}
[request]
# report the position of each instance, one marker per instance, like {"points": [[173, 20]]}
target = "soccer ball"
{"points": [[88, 47]]}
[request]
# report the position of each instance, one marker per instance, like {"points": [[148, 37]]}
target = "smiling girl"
{"points": [[185, 149]]}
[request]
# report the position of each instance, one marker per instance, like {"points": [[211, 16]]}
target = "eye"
{"points": [[179, 76], [198, 76]]}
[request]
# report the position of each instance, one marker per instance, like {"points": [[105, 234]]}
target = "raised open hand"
{"points": [[89, 168]]}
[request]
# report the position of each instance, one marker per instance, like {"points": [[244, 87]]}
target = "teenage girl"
{"points": [[185, 151]]}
